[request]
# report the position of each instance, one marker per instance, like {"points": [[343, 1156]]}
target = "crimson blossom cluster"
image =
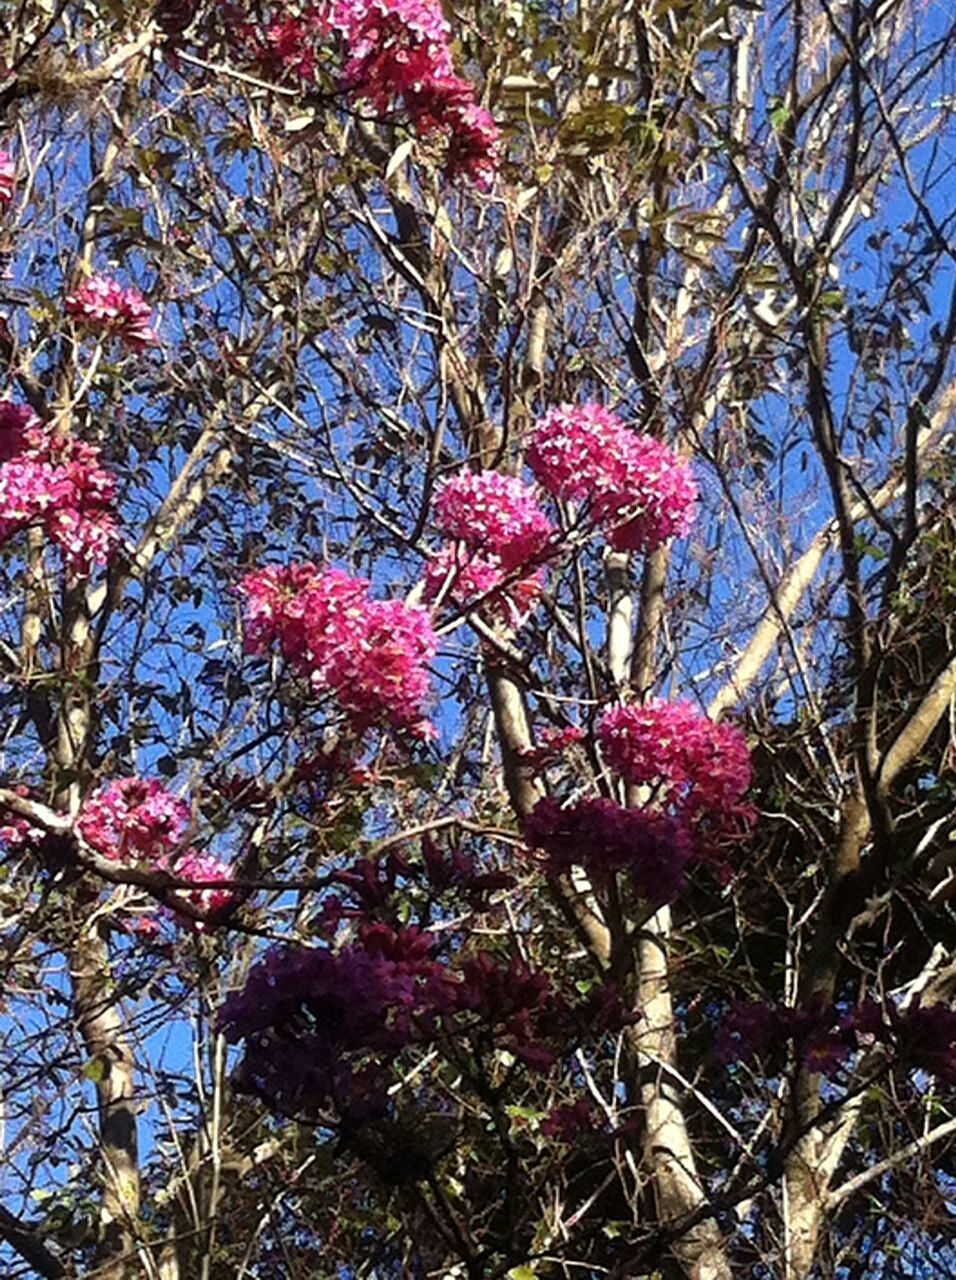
{"points": [[103, 305], [395, 54], [56, 482], [370, 655], [692, 774], [138, 821], [827, 1039], [691, 766], [632, 487]]}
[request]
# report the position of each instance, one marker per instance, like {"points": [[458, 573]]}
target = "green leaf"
{"points": [[778, 114]]}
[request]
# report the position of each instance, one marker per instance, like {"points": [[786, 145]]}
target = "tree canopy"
{"points": [[478, 566]]}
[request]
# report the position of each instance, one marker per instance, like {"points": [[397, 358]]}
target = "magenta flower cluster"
{"points": [[133, 820], [652, 849], [137, 820], [321, 1026], [496, 514], [8, 179], [694, 767], [824, 1038], [633, 486], [370, 655], [104, 305], [397, 52], [58, 483], [501, 534]]}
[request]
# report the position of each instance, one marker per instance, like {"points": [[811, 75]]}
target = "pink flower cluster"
{"points": [[695, 767], [202, 867], [139, 820], [495, 514], [8, 179], [401, 50], [105, 305], [56, 481], [467, 579], [499, 529], [133, 820], [396, 51], [635, 486], [371, 655]]}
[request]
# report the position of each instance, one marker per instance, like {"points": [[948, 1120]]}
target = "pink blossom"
{"points": [[494, 513], [466, 578], [397, 55], [104, 304], [635, 486], [395, 46], [59, 483], [656, 500], [201, 867], [8, 178], [133, 820], [370, 654], [693, 765], [29, 488], [447, 105], [576, 450], [17, 832]]}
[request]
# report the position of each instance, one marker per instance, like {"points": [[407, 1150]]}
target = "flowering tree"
{"points": [[477, 648]]}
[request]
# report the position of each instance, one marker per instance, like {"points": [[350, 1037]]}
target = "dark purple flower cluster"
{"points": [[318, 1025], [824, 1038], [652, 848], [569, 1123], [322, 1029], [365, 888]]}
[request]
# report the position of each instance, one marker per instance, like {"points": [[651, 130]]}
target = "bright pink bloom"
{"points": [[656, 500], [395, 46], [29, 489], [104, 304], [59, 482], [134, 820], [464, 578], [495, 514], [397, 55], [635, 486], [8, 179], [576, 449], [201, 867], [370, 654], [693, 765]]}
